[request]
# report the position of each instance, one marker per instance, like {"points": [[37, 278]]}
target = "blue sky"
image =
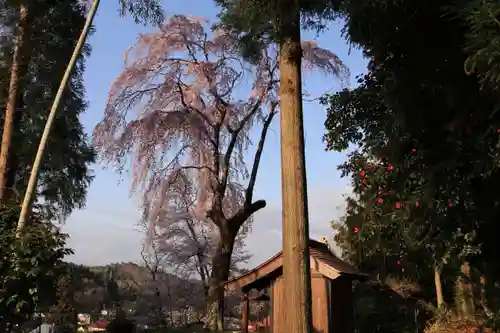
{"points": [[105, 231]]}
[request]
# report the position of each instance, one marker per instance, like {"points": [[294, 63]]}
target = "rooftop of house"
{"points": [[99, 324], [322, 260]]}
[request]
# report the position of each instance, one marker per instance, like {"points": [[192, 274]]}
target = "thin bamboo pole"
{"points": [[28, 196]]}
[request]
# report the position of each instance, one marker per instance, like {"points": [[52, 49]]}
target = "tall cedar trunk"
{"points": [[466, 291], [439, 288], [13, 158], [296, 266], [221, 263], [18, 70]]}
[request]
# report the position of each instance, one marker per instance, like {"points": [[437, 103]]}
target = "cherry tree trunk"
{"points": [[221, 263], [159, 318], [18, 70], [296, 266]]}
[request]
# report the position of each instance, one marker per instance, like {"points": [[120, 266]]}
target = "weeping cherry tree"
{"points": [[176, 116]]}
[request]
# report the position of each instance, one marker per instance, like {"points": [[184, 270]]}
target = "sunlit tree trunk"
{"points": [[18, 70], [439, 288], [467, 304], [293, 175]]}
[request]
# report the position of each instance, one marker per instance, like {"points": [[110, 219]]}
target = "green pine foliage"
{"points": [[65, 172], [32, 265], [254, 22], [143, 11]]}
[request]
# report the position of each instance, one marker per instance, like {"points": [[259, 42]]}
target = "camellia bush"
{"points": [[29, 267]]}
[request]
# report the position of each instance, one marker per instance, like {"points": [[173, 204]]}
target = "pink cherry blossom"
{"points": [[182, 118]]}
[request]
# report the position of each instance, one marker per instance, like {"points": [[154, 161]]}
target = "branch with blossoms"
{"points": [[181, 83], [176, 118]]}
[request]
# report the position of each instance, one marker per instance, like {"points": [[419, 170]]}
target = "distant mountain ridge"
{"points": [[100, 291], [129, 271]]}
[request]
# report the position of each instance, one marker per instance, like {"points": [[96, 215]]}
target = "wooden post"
{"points": [[244, 313], [271, 310], [295, 224]]}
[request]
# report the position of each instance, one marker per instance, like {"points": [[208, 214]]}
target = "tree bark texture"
{"points": [[221, 262], [18, 70], [439, 288], [296, 266], [468, 309]]}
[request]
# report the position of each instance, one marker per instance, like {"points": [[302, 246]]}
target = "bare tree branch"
{"points": [[258, 156]]}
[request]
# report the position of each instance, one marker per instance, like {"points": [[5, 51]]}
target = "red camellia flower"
{"points": [[390, 167], [380, 200], [398, 262], [417, 204], [362, 173], [398, 204], [413, 150], [355, 230]]}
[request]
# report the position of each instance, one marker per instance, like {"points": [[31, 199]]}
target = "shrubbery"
{"points": [[29, 267], [120, 324]]}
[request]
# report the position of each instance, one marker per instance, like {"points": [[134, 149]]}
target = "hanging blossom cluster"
{"points": [[174, 120]]}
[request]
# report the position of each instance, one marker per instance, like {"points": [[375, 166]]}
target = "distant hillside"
{"points": [[131, 287], [92, 289], [136, 276]]}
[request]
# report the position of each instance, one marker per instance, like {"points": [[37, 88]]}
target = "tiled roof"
{"points": [[321, 252], [317, 250], [99, 324]]}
